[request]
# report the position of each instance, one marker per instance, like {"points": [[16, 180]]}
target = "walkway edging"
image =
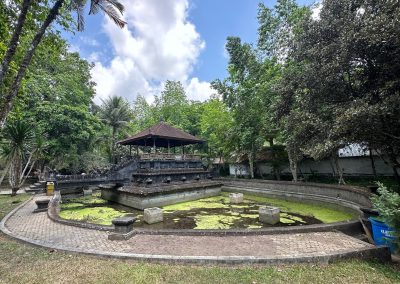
{"points": [[379, 253]]}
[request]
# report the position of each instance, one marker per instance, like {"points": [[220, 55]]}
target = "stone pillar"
{"points": [[42, 205], [123, 228]]}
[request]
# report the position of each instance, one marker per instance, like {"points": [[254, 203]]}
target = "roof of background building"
{"points": [[161, 133]]}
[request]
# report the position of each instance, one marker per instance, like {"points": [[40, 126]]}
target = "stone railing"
{"points": [[170, 156]]}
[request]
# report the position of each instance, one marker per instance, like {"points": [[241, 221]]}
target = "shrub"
{"points": [[387, 203]]}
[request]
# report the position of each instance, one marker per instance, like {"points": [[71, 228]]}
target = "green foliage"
{"points": [[57, 98], [31, 21], [216, 123], [247, 93], [387, 203], [19, 149], [340, 84], [171, 105], [115, 113]]}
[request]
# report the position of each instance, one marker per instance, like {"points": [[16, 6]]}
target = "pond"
{"points": [[208, 213]]}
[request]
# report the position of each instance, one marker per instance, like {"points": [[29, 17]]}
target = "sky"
{"points": [[180, 40]]}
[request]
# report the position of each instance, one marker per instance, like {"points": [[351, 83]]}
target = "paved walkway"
{"points": [[40, 230]]}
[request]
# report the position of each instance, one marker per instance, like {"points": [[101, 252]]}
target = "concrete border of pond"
{"points": [[338, 197], [379, 253], [53, 213]]}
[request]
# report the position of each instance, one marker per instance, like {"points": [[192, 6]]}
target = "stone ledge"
{"points": [[356, 189], [53, 214], [123, 221], [121, 237]]}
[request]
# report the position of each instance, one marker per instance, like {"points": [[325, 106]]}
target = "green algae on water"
{"points": [[325, 215], [215, 221], [97, 215]]}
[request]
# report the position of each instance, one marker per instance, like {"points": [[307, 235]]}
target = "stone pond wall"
{"points": [[334, 195]]}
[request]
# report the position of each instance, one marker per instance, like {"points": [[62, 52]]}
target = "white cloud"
{"points": [[316, 11], [73, 48], [199, 91], [159, 44], [89, 41]]}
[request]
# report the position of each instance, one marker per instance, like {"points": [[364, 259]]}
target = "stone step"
{"points": [[34, 189]]}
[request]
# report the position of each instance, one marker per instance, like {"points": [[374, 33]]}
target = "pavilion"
{"points": [[161, 135], [160, 177]]}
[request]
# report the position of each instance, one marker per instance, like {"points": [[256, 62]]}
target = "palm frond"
{"points": [[112, 8]]}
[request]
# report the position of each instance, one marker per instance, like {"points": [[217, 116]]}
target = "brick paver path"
{"points": [[39, 229]]}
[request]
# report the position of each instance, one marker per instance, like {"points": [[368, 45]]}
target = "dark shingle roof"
{"points": [[161, 132]]}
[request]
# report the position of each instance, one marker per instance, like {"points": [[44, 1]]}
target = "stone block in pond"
{"points": [[153, 215], [87, 192], [236, 198], [269, 215]]}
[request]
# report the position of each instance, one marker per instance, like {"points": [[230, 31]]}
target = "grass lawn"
{"points": [[22, 263]]}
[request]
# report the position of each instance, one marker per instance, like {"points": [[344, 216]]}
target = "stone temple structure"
{"points": [[159, 174]]}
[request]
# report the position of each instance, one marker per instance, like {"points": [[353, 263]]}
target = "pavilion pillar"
{"points": [[154, 145], [137, 150], [168, 146], [130, 150]]}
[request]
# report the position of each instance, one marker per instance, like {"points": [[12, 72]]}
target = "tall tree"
{"points": [[115, 112], [111, 8], [347, 90], [57, 98], [171, 105], [18, 140], [216, 124], [242, 93]]}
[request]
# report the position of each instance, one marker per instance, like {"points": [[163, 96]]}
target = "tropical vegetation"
{"points": [[313, 83]]}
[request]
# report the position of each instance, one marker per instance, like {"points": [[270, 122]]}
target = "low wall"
{"points": [[142, 202], [53, 212], [325, 194]]}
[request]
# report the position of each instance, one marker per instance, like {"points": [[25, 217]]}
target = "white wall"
{"points": [[350, 165], [239, 170]]}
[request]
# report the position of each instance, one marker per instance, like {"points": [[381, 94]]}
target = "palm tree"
{"points": [[115, 112], [112, 8], [18, 141]]}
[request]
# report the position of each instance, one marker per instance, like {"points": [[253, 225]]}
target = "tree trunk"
{"points": [[14, 191], [15, 173], [332, 163], [112, 148], [6, 104], [395, 166], [12, 46], [372, 163], [293, 168], [338, 168], [27, 174], [251, 164]]}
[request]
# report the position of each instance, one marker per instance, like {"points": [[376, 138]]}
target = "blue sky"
{"points": [[165, 39]]}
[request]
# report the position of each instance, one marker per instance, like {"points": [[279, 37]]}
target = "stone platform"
{"points": [[141, 197], [317, 247]]}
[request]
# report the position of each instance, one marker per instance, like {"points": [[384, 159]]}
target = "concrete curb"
{"points": [[53, 214], [377, 253]]}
